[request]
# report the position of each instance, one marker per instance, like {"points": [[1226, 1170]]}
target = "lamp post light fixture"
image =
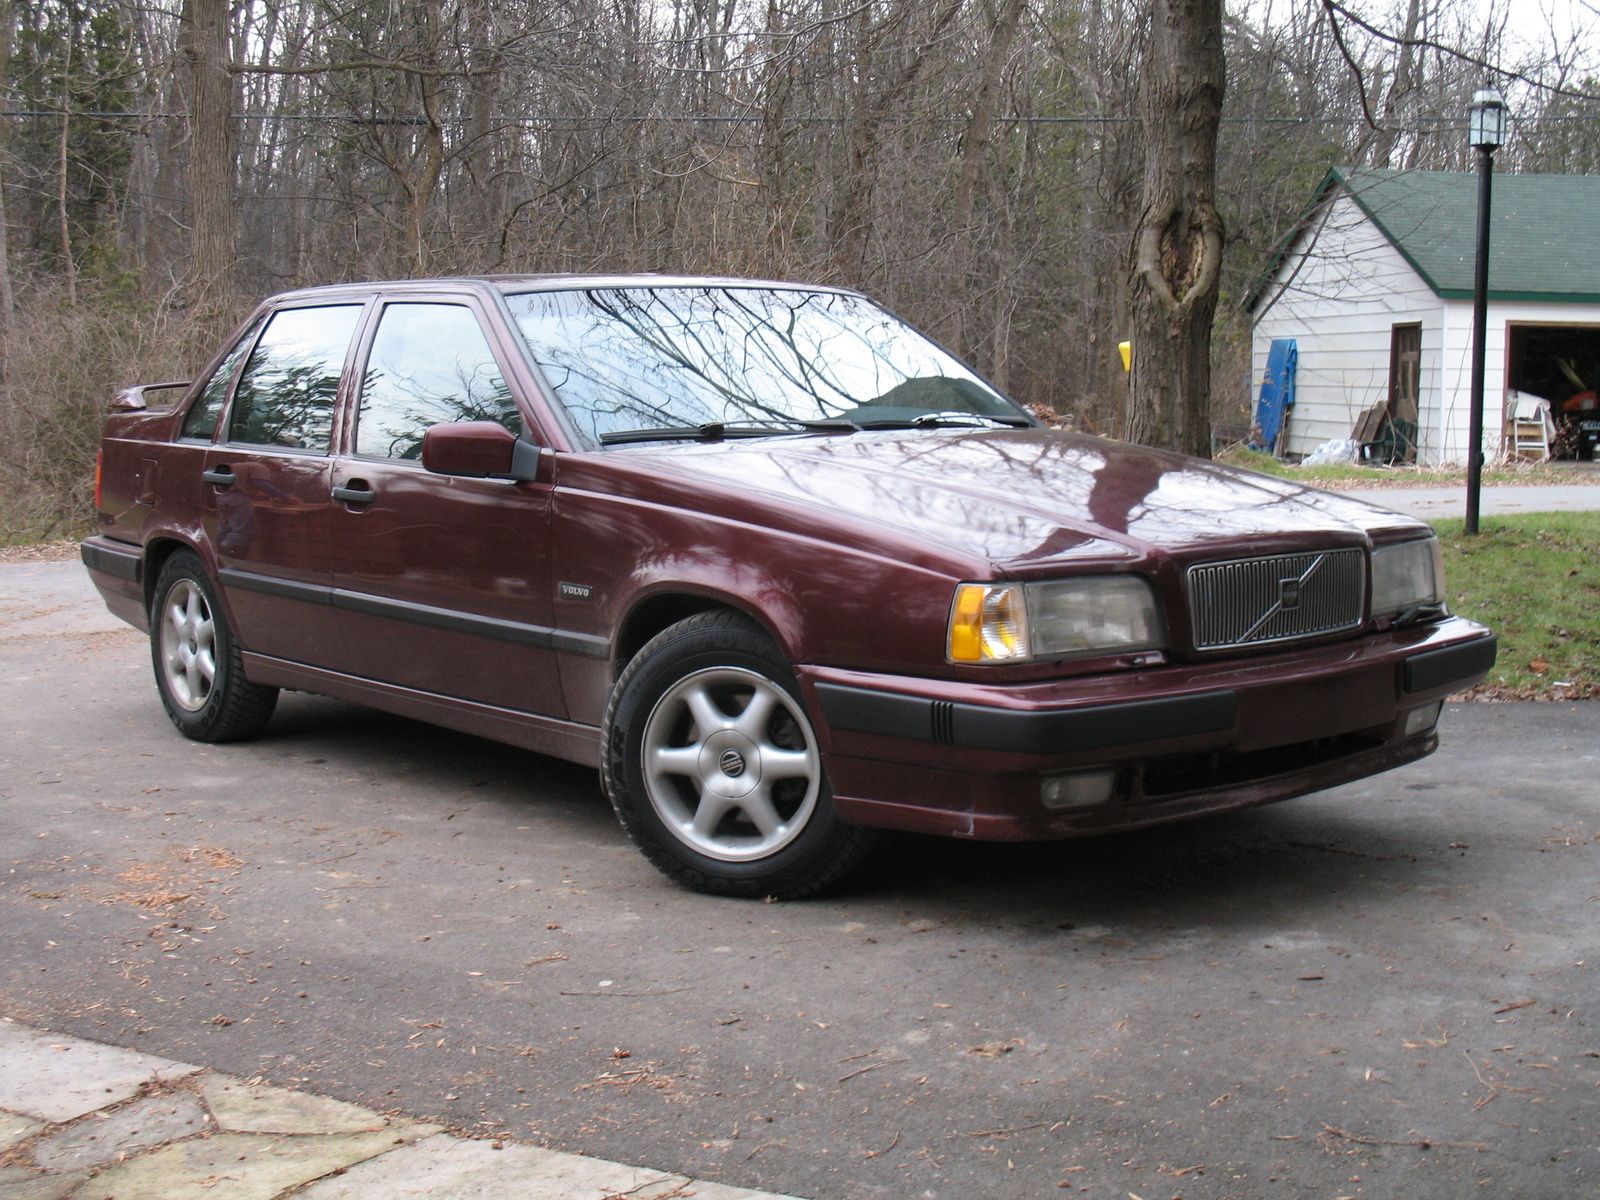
{"points": [[1486, 132]]}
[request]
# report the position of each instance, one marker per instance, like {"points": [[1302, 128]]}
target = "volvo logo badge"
{"points": [[1288, 594], [732, 763]]}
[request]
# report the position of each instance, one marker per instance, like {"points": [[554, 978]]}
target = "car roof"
{"points": [[512, 284]]}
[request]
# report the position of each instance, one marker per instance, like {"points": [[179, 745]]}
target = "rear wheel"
{"points": [[196, 659], [713, 766]]}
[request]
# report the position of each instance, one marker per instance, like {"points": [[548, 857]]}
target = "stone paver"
{"points": [[139, 1125], [210, 1135], [446, 1168], [14, 1129], [240, 1166], [700, 1189], [18, 1184], [59, 1079], [257, 1108]]}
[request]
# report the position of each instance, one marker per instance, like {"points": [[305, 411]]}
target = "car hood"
{"points": [[1021, 499]]}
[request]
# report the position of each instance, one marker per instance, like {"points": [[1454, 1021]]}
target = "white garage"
{"points": [[1374, 287]]}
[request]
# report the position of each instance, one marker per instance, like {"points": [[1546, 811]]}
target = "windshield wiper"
{"points": [[715, 431], [949, 420]]}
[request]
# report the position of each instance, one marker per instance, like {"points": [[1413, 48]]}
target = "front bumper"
{"points": [[969, 759]]}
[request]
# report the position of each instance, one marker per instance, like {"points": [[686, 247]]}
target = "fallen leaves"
{"points": [[994, 1049], [165, 885], [871, 1066], [893, 1142], [648, 1076], [1330, 1132]]}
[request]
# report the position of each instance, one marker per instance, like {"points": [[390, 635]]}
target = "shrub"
{"points": [[64, 364]]}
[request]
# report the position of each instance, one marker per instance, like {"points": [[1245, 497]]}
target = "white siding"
{"points": [[1339, 296]]}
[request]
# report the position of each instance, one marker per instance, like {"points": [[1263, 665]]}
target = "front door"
{"points": [[1405, 370], [443, 584]]}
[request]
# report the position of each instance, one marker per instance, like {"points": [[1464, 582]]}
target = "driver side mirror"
{"points": [[479, 450]]}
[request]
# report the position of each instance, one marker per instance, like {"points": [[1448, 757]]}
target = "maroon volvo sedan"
{"points": [[780, 567]]}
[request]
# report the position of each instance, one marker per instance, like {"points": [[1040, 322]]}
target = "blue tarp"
{"points": [[1277, 395]]}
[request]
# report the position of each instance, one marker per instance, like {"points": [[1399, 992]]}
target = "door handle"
{"points": [[356, 491], [221, 476]]}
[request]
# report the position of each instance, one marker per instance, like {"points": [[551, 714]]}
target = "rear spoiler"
{"points": [[135, 399]]}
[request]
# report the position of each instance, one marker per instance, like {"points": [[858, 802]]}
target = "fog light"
{"points": [[1077, 791], [1420, 720]]}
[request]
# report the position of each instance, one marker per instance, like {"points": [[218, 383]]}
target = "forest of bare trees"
{"points": [[978, 165]]}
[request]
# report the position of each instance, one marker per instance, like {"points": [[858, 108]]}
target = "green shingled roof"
{"points": [[1544, 231]]}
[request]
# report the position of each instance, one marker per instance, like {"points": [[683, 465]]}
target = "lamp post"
{"points": [[1486, 133]]}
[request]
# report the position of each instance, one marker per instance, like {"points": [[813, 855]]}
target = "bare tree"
{"points": [[211, 142], [1176, 261]]}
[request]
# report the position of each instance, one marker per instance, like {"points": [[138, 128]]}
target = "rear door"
{"points": [[267, 499], [443, 583]]}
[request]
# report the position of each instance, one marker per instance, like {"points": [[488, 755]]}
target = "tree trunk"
{"points": [[1177, 243], [851, 214], [1399, 91], [7, 303], [432, 167], [975, 159], [69, 269], [211, 221]]}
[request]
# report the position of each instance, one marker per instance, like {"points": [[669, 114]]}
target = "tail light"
{"points": [[99, 470]]}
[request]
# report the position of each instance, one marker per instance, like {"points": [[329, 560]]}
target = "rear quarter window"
{"points": [[201, 420]]}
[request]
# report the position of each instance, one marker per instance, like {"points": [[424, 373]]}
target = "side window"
{"points": [[285, 396], [430, 363], [201, 421]]}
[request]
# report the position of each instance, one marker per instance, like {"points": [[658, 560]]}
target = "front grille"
{"points": [[1254, 601]]}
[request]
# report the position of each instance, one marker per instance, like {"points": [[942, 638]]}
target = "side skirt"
{"points": [[545, 735]]}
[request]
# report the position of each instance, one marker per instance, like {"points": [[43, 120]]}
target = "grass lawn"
{"points": [[1534, 579]]}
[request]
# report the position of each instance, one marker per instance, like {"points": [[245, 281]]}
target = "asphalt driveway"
{"points": [[1389, 989]]}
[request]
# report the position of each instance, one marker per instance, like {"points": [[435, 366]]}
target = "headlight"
{"points": [[1407, 576], [1014, 622]]}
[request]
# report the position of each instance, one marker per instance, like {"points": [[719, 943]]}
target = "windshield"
{"points": [[626, 360]]}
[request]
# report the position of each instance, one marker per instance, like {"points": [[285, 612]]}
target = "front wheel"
{"points": [[198, 671], [713, 766]]}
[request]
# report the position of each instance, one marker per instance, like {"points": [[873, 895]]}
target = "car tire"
{"points": [[713, 767], [196, 659]]}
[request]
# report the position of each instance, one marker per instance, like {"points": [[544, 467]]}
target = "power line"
{"points": [[558, 121]]}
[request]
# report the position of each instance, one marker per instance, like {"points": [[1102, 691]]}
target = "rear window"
{"points": [[286, 394]]}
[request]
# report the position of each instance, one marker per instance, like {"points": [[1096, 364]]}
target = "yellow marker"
{"points": [[1126, 350]]}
